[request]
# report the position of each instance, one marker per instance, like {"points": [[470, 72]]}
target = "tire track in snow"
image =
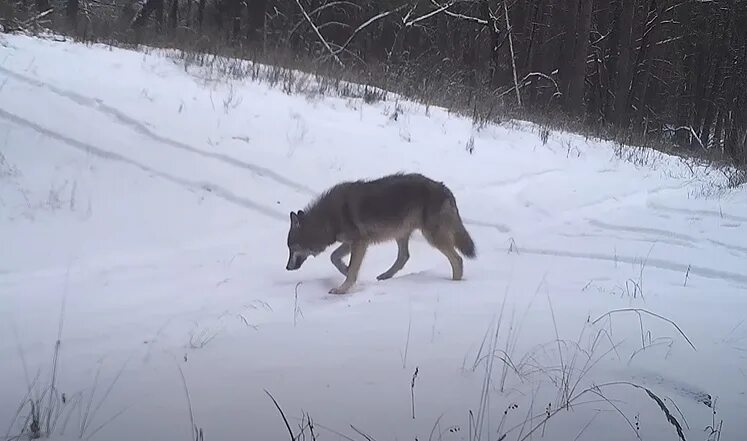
{"points": [[644, 230], [580, 212], [523, 177], [520, 179], [195, 185], [707, 213], [663, 264], [478, 223], [666, 234], [123, 119], [645, 239]]}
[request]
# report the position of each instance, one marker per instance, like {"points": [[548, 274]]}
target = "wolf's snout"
{"points": [[293, 263]]}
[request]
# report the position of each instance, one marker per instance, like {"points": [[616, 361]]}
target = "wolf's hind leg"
{"points": [[337, 255], [457, 264], [403, 255], [443, 243]]}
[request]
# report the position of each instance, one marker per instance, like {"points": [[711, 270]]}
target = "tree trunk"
{"points": [[705, 131], [174, 17], [643, 65], [149, 7], [159, 14], [568, 17], [72, 7], [513, 55], [256, 10], [575, 99], [236, 19], [624, 68], [200, 14], [717, 140], [537, 54]]}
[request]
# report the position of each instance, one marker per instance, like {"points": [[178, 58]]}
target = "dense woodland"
{"points": [[635, 70]]}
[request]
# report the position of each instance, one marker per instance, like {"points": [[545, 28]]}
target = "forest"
{"points": [[645, 72]]}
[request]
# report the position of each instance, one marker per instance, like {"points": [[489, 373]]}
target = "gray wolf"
{"points": [[364, 212]]}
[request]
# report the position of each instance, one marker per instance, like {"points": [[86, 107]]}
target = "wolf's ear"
{"points": [[296, 218]]}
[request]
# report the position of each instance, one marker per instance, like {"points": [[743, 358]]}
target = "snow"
{"points": [[148, 207]]}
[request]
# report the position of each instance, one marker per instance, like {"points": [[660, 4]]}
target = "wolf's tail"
{"points": [[464, 242], [462, 239]]}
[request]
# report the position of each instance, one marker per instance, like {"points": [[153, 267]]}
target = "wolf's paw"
{"points": [[338, 290], [384, 276]]}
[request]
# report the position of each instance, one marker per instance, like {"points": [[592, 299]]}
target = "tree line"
{"points": [[672, 70]]}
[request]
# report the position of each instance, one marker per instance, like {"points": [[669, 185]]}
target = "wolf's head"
{"points": [[303, 241]]}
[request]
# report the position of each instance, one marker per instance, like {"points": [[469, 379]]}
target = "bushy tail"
{"points": [[464, 242]]}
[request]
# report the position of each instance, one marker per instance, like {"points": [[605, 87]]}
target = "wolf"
{"points": [[365, 212]]}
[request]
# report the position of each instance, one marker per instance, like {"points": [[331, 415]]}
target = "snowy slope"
{"points": [[148, 208]]}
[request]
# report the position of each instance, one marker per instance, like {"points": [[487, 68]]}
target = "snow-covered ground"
{"points": [[143, 217]]}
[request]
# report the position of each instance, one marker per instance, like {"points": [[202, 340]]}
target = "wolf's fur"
{"points": [[362, 212]]}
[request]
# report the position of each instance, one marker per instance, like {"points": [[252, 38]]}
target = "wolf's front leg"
{"points": [[357, 251], [403, 254], [337, 255]]}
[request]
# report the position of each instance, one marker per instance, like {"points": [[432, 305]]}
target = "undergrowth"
{"points": [[47, 410], [560, 375]]}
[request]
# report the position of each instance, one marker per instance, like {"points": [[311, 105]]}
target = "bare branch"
{"points": [[363, 26], [409, 13], [333, 23], [426, 16], [320, 9], [21, 26], [668, 40], [38, 16], [319, 34], [457, 15], [602, 37], [533, 74], [692, 133], [338, 48]]}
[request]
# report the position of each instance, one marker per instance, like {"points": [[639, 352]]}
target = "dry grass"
{"points": [[46, 409]]}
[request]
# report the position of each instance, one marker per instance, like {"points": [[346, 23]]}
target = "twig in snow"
{"points": [[296, 309], [197, 433], [368, 438], [282, 414], [412, 391], [407, 342]]}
